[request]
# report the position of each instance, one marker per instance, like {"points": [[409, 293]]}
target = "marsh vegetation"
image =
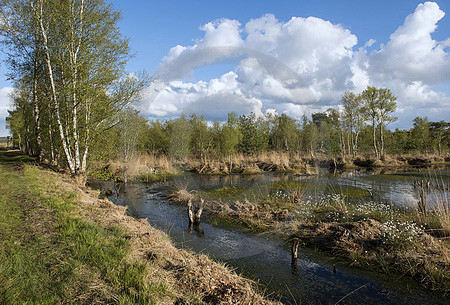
{"points": [[369, 220]]}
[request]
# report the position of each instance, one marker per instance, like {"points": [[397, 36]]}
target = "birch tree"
{"points": [[354, 117], [80, 55], [370, 100], [386, 106]]}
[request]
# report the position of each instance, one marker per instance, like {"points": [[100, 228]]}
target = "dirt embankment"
{"points": [[194, 278], [364, 242]]}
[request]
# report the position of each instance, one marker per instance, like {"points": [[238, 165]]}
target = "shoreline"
{"points": [[381, 242], [145, 168], [169, 274]]}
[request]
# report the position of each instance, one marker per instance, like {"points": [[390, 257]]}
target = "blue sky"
{"points": [[216, 57], [156, 26]]}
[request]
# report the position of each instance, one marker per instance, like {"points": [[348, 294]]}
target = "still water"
{"points": [[266, 259]]}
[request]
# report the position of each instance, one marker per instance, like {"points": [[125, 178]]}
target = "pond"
{"points": [[314, 278], [386, 185]]}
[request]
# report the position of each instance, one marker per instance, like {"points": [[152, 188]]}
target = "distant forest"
{"points": [[349, 130]]}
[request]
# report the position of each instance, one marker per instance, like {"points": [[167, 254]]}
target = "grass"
{"points": [[282, 194], [225, 192], [143, 168], [437, 218], [60, 244], [49, 255]]}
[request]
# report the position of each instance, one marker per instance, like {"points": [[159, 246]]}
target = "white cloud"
{"points": [[370, 43], [214, 99], [222, 39], [5, 102], [304, 65], [222, 33], [411, 54]]}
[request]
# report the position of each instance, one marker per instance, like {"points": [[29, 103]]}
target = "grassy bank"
{"points": [[61, 244], [362, 232]]}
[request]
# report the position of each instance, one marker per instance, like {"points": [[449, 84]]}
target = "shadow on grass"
{"points": [[14, 159]]}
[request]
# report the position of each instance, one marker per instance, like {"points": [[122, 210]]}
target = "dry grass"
{"points": [[95, 253], [376, 245], [436, 217], [174, 275], [443, 215], [142, 167], [280, 159], [239, 163], [182, 196], [144, 164], [195, 279]]}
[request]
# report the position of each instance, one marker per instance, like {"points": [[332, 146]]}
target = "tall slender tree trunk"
{"points": [[75, 48], [381, 141], [75, 125], [67, 153], [37, 118], [350, 142], [355, 145], [374, 134], [50, 134], [87, 136]]}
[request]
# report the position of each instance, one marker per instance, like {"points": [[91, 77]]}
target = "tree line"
{"points": [[349, 130]]}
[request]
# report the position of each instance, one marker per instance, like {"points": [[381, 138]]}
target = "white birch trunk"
{"points": [[67, 153]]}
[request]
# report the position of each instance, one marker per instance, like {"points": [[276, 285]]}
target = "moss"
{"points": [[156, 177], [224, 192]]}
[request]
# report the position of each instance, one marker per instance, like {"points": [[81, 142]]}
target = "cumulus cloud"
{"points": [[214, 98], [411, 63], [222, 39], [301, 66], [4, 106], [411, 54]]}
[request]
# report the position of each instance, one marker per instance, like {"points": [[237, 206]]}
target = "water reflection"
{"points": [[387, 185], [312, 278]]}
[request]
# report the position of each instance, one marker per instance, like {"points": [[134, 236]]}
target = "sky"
{"points": [[294, 57]]}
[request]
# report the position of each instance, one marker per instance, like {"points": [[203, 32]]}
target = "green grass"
{"points": [[225, 192], [155, 177], [279, 195], [310, 187], [49, 255]]}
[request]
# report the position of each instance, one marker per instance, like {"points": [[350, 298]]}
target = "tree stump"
{"points": [[294, 247], [195, 212]]}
